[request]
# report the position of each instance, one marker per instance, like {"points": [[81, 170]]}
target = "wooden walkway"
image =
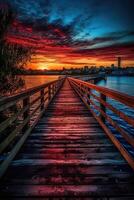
{"points": [[68, 154]]}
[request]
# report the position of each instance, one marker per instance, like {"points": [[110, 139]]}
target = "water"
{"points": [[125, 85], [35, 80], [122, 84]]}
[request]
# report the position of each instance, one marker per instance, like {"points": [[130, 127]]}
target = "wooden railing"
{"points": [[19, 115], [99, 106]]}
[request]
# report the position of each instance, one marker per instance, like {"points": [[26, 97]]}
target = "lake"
{"points": [[123, 84], [35, 80]]}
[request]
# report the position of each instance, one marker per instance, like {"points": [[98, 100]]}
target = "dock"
{"points": [[62, 148], [94, 79]]}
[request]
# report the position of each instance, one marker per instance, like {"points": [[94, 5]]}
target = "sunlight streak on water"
{"points": [[35, 80]]}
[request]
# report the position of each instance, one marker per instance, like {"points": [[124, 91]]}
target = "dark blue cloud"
{"points": [[80, 24]]}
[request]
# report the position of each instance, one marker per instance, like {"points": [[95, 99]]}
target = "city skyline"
{"points": [[73, 33]]}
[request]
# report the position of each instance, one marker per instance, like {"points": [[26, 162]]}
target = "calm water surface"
{"points": [[35, 80], [123, 84]]}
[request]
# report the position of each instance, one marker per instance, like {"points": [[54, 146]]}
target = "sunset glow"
{"points": [[73, 34]]}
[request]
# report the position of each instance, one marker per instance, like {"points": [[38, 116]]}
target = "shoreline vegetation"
{"points": [[13, 57]]}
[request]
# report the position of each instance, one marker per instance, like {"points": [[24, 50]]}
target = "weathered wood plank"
{"points": [[76, 150], [62, 156], [68, 155], [116, 190], [66, 170], [75, 179]]}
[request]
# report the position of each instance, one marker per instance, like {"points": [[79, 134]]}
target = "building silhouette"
{"points": [[119, 62]]}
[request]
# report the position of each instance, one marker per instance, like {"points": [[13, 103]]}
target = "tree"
{"points": [[12, 56]]}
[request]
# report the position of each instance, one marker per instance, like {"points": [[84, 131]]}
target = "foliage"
{"points": [[12, 56]]}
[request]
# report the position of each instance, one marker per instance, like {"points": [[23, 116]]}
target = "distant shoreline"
{"points": [[38, 74], [71, 75]]}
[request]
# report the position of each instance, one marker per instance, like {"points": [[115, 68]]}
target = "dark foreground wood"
{"points": [[68, 155]]}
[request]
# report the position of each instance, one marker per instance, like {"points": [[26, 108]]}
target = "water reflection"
{"points": [[35, 80]]}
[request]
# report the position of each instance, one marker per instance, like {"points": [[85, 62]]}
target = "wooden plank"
{"points": [[68, 145], [64, 155], [84, 150], [67, 155], [68, 190], [68, 136], [76, 179], [57, 170], [65, 141]]}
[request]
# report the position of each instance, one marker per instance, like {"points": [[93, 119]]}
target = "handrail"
{"points": [[123, 98], [33, 103], [85, 91], [23, 94]]}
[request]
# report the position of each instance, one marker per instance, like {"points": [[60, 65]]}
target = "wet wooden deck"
{"points": [[68, 154]]}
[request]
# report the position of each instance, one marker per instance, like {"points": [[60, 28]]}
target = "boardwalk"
{"points": [[68, 154]]}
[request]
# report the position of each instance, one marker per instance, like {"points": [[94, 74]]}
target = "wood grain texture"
{"points": [[68, 155]]}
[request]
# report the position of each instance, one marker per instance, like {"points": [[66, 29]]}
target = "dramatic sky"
{"points": [[74, 33]]}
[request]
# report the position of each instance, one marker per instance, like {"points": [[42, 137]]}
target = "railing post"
{"points": [[53, 90], [81, 89], [84, 91], [26, 114], [42, 99], [49, 92], [102, 107], [58, 85], [88, 96]]}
